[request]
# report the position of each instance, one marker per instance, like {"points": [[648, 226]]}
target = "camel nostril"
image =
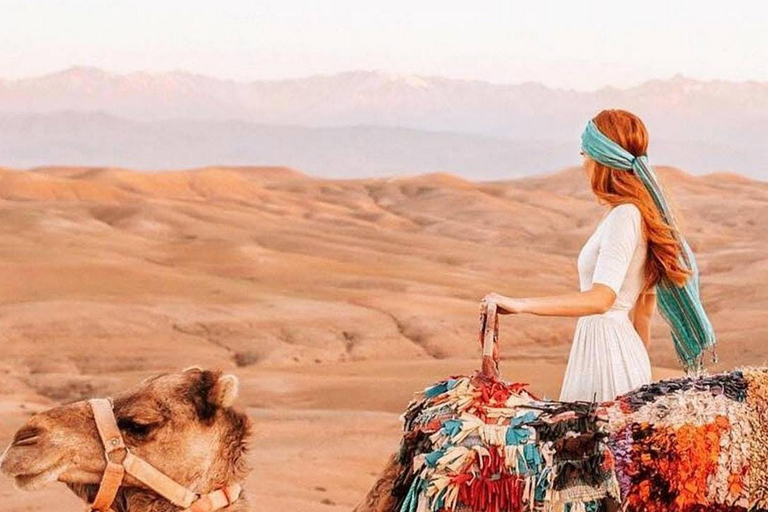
{"points": [[27, 436]]}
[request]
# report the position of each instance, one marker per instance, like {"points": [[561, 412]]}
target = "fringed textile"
{"points": [[473, 444], [479, 444]]}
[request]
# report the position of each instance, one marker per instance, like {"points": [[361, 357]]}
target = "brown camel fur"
{"points": [[181, 423], [379, 498]]}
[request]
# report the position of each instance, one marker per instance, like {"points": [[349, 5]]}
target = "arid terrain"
{"points": [[332, 300]]}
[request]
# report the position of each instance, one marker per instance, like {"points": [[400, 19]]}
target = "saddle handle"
{"points": [[489, 340]]}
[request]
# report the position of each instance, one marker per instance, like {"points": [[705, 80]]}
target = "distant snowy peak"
{"points": [[90, 74], [376, 97]]}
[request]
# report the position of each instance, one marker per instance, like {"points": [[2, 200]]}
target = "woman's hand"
{"points": [[505, 305]]}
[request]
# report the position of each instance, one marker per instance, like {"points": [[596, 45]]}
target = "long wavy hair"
{"points": [[615, 186]]}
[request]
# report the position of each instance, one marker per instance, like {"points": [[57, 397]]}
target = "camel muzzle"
{"points": [[21, 460]]}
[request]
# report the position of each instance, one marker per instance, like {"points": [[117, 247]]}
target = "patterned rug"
{"points": [[480, 444]]}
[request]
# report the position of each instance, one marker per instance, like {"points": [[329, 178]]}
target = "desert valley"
{"points": [[332, 300]]}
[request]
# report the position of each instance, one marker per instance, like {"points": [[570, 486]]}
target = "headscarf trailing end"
{"points": [[680, 306]]}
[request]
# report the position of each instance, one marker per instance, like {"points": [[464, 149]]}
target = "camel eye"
{"points": [[134, 428]]}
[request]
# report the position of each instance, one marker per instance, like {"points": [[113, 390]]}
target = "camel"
{"points": [[176, 438], [678, 445], [688, 444]]}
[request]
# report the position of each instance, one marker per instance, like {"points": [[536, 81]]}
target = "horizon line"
{"points": [[666, 168]]}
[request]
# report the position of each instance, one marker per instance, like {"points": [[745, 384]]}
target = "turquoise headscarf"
{"points": [[680, 306]]}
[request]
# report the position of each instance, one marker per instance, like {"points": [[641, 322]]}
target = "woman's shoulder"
{"points": [[624, 218], [626, 212]]}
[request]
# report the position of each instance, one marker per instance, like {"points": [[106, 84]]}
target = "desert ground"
{"points": [[332, 300]]}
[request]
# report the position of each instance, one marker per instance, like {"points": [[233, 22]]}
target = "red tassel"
{"points": [[494, 489], [494, 394]]}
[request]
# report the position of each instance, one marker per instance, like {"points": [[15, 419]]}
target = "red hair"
{"points": [[615, 186]]}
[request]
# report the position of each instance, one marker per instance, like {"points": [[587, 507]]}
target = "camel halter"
{"points": [[142, 471]]}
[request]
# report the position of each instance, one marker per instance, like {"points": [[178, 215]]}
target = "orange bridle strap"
{"points": [[112, 441], [141, 470]]}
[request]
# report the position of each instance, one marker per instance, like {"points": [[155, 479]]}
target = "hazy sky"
{"points": [[576, 43]]}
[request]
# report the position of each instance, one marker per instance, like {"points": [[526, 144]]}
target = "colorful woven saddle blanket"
{"points": [[473, 444]]}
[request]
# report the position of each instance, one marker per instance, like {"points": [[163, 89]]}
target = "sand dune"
{"points": [[332, 299]]}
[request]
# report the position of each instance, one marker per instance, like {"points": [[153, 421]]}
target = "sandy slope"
{"points": [[332, 300]]}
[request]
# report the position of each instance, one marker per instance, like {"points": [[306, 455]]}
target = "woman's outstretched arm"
{"points": [[596, 300]]}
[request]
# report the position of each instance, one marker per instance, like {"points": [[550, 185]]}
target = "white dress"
{"points": [[608, 357]]}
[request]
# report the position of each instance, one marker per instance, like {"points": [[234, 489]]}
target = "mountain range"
{"points": [[366, 123]]}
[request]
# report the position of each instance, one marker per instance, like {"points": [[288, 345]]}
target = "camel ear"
{"points": [[224, 391]]}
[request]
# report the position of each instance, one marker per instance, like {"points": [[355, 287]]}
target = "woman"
{"points": [[635, 253]]}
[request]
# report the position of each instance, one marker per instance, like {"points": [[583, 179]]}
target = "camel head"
{"points": [[183, 424]]}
